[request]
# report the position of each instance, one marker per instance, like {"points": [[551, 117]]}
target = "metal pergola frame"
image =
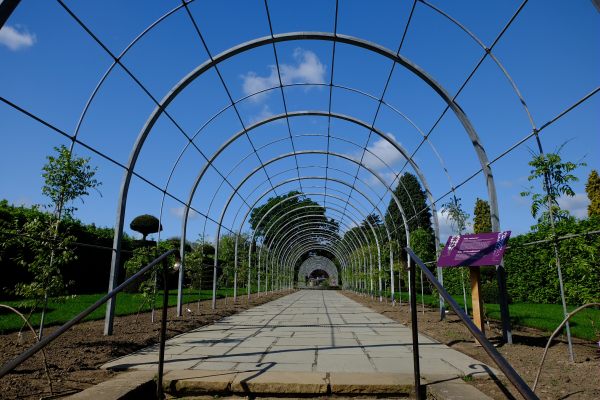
{"points": [[280, 252]]}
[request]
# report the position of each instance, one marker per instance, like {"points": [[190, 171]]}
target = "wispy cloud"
{"points": [[265, 112], [306, 69], [382, 152], [445, 227], [16, 38], [576, 205], [179, 212]]}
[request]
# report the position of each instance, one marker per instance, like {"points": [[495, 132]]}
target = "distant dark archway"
{"points": [[318, 264]]}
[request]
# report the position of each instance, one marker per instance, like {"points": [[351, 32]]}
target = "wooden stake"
{"points": [[476, 303]]}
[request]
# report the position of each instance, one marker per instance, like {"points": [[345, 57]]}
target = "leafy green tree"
{"points": [[413, 200], [420, 244], [43, 252], [482, 217], [459, 221], [592, 188], [293, 204], [146, 224], [458, 218], [556, 176], [67, 178]]}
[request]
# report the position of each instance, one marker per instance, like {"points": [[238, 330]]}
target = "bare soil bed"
{"points": [[75, 357], [560, 379]]}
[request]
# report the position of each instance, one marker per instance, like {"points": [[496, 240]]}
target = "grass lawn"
{"points": [[60, 311], [547, 317]]}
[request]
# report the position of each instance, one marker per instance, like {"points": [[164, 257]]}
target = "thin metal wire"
{"points": [[285, 108], [385, 87]]}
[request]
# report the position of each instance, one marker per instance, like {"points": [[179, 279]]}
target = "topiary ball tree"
{"points": [[146, 224]]}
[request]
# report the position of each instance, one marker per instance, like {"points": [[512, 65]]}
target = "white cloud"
{"points": [[16, 39], [265, 112], [306, 69], [445, 227], [576, 205], [179, 212], [382, 152]]}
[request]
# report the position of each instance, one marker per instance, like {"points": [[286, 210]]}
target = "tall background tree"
{"points": [[413, 200], [482, 217], [592, 188]]}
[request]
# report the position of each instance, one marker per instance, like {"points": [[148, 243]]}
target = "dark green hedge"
{"points": [[88, 274]]}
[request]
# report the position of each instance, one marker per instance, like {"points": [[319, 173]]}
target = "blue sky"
{"points": [[49, 66]]}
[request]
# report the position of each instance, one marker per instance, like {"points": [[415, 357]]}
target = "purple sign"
{"points": [[474, 250]]}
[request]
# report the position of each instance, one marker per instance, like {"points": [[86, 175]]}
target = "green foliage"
{"points": [[421, 244], [413, 200], [592, 188], [531, 271], [456, 215], [67, 178], [279, 208], [42, 252], [91, 279], [482, 217], [146, 224], [556, 176]]}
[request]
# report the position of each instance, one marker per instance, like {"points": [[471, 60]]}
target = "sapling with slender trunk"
{"points": [[67, 178], [556, 177]]}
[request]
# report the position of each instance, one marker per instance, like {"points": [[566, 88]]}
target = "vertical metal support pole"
{"points": [[7, 7], [415, 330], [163, 330], [504, 314]]}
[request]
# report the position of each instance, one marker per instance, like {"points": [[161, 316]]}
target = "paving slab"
{"points": [[309, 331]]}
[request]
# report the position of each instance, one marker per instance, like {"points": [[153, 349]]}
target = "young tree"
{"points": [[556, 176], [146, 224], [67, 178], [458, 220], [456, 215], [592, 188]]}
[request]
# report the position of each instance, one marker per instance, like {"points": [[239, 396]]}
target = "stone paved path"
{"points": [[309, 330]]}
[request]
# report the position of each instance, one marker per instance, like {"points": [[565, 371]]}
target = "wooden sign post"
{"points": [[476, 302]]}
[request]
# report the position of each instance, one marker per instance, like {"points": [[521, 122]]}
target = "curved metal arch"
{"points": [[374, 232], [360, 212], [283, 156], [270, 40], [342, 257], [313, 231], [343, 183], [306, 238], [312, 166], [356, 121], [307, 194], [306, 245], [319, 194], [250, 253], [339, 155], [323, 263], [311, 223]]}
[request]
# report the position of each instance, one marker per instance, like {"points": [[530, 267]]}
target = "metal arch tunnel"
{"points": [[314, 263], [213, 63], [293, 239]]}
